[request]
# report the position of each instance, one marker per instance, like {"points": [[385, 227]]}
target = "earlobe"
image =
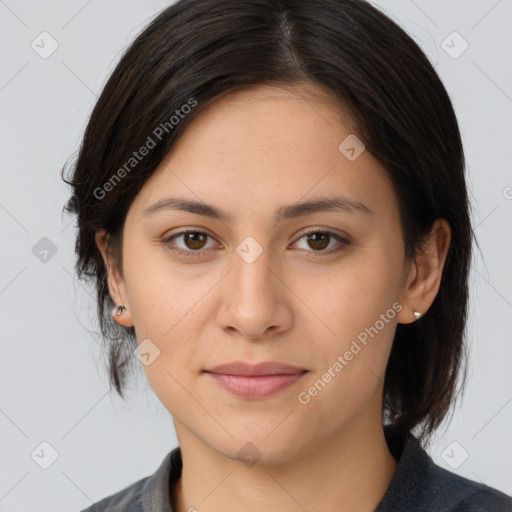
{"points": [[422, 287], [116, 286], [122, 316], [120, 310], [408, 316]]}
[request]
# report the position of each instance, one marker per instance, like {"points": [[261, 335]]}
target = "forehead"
{"points": [[267, 116], [254, 150]]}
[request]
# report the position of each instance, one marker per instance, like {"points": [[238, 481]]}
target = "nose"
{"points": [[256, 301]]}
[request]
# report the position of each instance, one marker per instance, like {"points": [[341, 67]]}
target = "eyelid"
{"points": [[344, 237], [169, 238], [342, 240]]}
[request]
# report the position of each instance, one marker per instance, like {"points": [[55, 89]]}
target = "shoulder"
{"points": [[150, 493], [421, 485], [464, 495], [128, 499]]}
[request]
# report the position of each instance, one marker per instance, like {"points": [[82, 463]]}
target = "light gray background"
{"points": [[53, 385]]}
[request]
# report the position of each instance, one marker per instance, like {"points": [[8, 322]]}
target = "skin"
{"points": [[250, 153]]}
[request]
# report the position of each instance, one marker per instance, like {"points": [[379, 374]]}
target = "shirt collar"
{"points": [[156, 494], [409, 485]]}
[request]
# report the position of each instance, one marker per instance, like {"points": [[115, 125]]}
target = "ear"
{"points": [[116, 284], [424, 279]]}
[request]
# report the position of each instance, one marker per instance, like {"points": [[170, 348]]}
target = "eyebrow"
{"points": [[322, 204]]}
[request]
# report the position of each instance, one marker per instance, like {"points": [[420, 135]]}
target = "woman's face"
{"points": [[255, 287]]}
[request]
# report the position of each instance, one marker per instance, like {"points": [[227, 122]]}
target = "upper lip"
{"points": [[265, 368]]}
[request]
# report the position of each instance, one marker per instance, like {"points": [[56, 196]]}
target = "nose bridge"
{"points": [[252, 267], [253, 302]]}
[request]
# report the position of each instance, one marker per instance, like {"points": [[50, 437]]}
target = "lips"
{"points": [[266, 368], [256, 381]]}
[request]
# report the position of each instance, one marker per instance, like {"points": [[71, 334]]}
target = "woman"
{"points": [[272, 204]]}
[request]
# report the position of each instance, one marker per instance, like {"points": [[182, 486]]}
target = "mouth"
{"points": [[255, 381], [256, 370]]}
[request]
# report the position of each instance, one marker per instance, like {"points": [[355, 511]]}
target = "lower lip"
{"points": [[255, 387]]}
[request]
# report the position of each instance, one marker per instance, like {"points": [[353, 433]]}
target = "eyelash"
{"points": [[193, 254]]}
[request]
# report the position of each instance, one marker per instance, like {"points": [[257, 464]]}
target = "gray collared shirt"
{"points": [[418, 485]]}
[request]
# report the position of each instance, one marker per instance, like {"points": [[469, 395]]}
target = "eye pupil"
{"points": [[189, 237], [312, 238]]}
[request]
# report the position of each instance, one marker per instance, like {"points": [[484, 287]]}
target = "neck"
{"points": [[349, 472]]}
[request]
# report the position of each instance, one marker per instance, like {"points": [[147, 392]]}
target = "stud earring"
{"points": [[417, 314], [120, 310]]}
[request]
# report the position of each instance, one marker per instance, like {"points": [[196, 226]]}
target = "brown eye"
{"points": [[193, 243], [190, 242], [318, 241], [194, 240]]}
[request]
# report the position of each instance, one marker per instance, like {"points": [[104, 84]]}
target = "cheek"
{"points": [[163, 314], [351, 296], [158, 296], [358, 312]]}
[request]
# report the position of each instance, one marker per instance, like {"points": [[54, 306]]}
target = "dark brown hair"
{"points": [[196, 51]]}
